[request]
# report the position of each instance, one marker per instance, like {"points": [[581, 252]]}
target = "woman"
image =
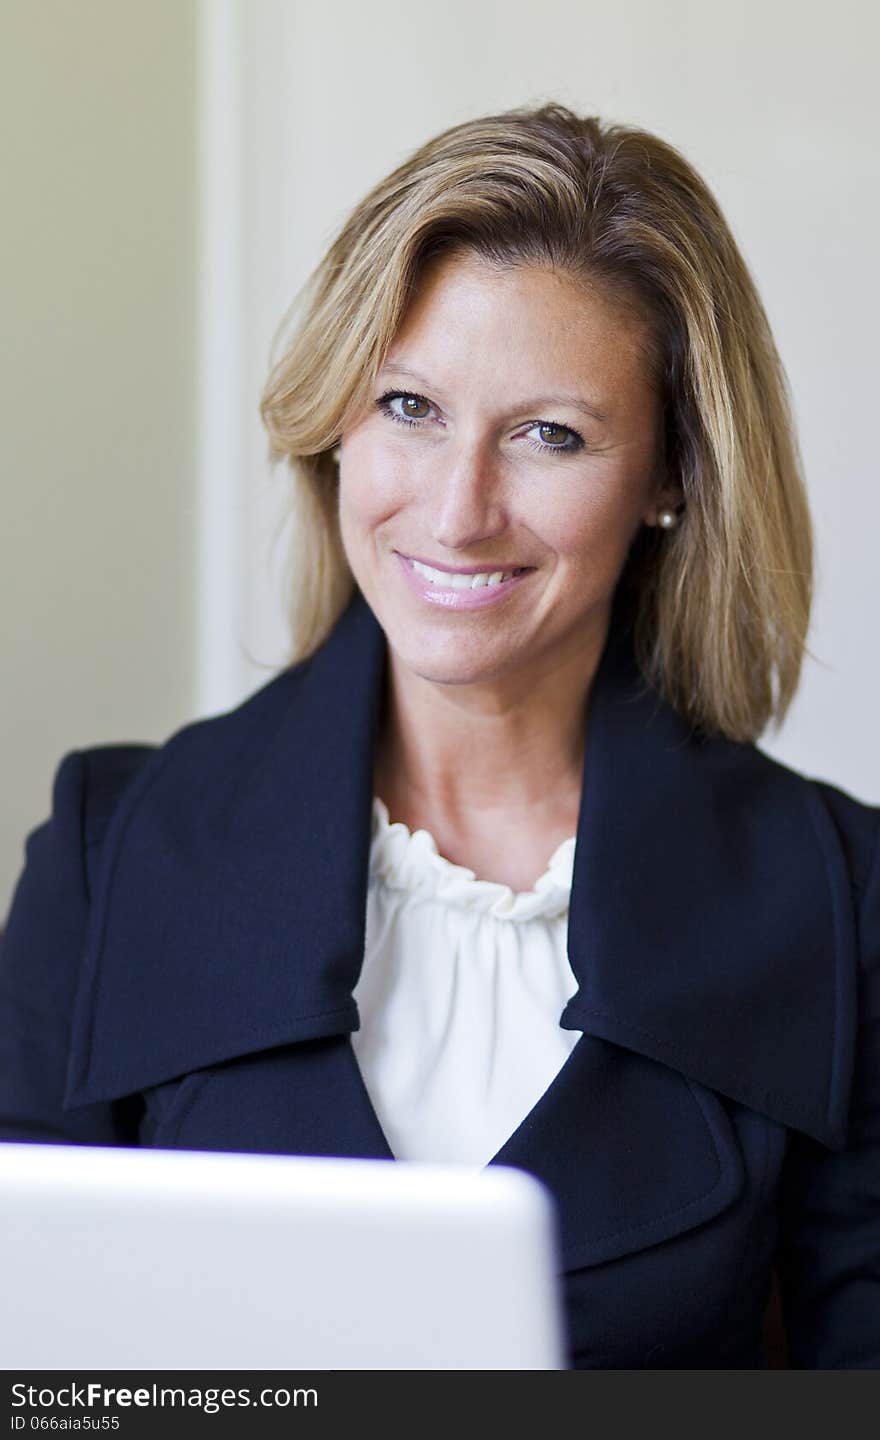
{"points": [[494, 872]]}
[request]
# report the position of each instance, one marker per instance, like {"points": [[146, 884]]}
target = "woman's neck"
{"points": [[480, 765]]}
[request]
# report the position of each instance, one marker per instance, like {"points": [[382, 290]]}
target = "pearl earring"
{"points": [[337, 455], [667, 519]]}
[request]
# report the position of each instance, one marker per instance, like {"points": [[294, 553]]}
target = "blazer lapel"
{"points": [[710, 898], [230, 905], [631, 1151], [227, 935]]}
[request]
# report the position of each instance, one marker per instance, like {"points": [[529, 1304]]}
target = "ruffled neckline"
{"points": [[408, 860]]}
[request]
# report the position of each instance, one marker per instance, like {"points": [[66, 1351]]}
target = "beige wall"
{"points": [[97, 385]]}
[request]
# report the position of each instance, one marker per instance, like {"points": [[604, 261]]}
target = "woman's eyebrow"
{"points": [[575, 402]]}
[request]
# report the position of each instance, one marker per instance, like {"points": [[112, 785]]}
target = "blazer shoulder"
{"points": [[855, 823], [209, 746], [98, 778]]}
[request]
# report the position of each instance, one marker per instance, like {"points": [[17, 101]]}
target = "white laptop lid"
{"points": [[160, 1260]]}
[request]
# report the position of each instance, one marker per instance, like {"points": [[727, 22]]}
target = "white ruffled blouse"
{"points": [[460, 994]]}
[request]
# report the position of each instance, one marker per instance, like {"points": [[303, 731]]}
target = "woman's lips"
{"points": [[457, 599]]}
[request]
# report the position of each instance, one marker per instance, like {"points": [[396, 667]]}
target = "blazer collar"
{"points": [[710, 897]]}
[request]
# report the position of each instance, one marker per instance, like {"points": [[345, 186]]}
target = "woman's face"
{"points": [[514, 428]]}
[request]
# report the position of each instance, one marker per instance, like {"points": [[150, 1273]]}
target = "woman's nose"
{"points": [[469, 502]]}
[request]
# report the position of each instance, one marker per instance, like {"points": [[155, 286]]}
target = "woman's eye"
{"points": [[553, 434], [556, 437], [408, 408], [412, 407]]}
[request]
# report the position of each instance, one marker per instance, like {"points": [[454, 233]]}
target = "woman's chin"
{"points": [[446, 660]]}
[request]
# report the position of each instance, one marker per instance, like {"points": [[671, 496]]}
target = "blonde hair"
{"points": [[720, 605]]}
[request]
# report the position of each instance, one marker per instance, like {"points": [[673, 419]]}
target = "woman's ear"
{"points": [[668, 505], [666, 496]]}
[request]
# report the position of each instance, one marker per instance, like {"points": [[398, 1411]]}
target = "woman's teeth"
{"points": [[462, 582]]}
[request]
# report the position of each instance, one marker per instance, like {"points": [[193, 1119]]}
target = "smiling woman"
{"points": [[489, 482], [588, 216], [494, 871]]}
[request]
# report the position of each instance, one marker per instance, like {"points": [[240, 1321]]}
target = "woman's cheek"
{"points": [[373, 486], [593, 547]]}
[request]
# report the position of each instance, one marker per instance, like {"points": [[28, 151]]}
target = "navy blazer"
{"points": [[185, 938]]}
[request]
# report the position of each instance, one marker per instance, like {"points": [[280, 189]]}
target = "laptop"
{"points": [[118, 1258]]}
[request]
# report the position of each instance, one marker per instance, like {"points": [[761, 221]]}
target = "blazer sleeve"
{"points": [[829, 1262], [40, 956]]}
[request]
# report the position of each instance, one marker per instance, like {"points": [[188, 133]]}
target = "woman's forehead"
{"points": [[473, 322]]}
